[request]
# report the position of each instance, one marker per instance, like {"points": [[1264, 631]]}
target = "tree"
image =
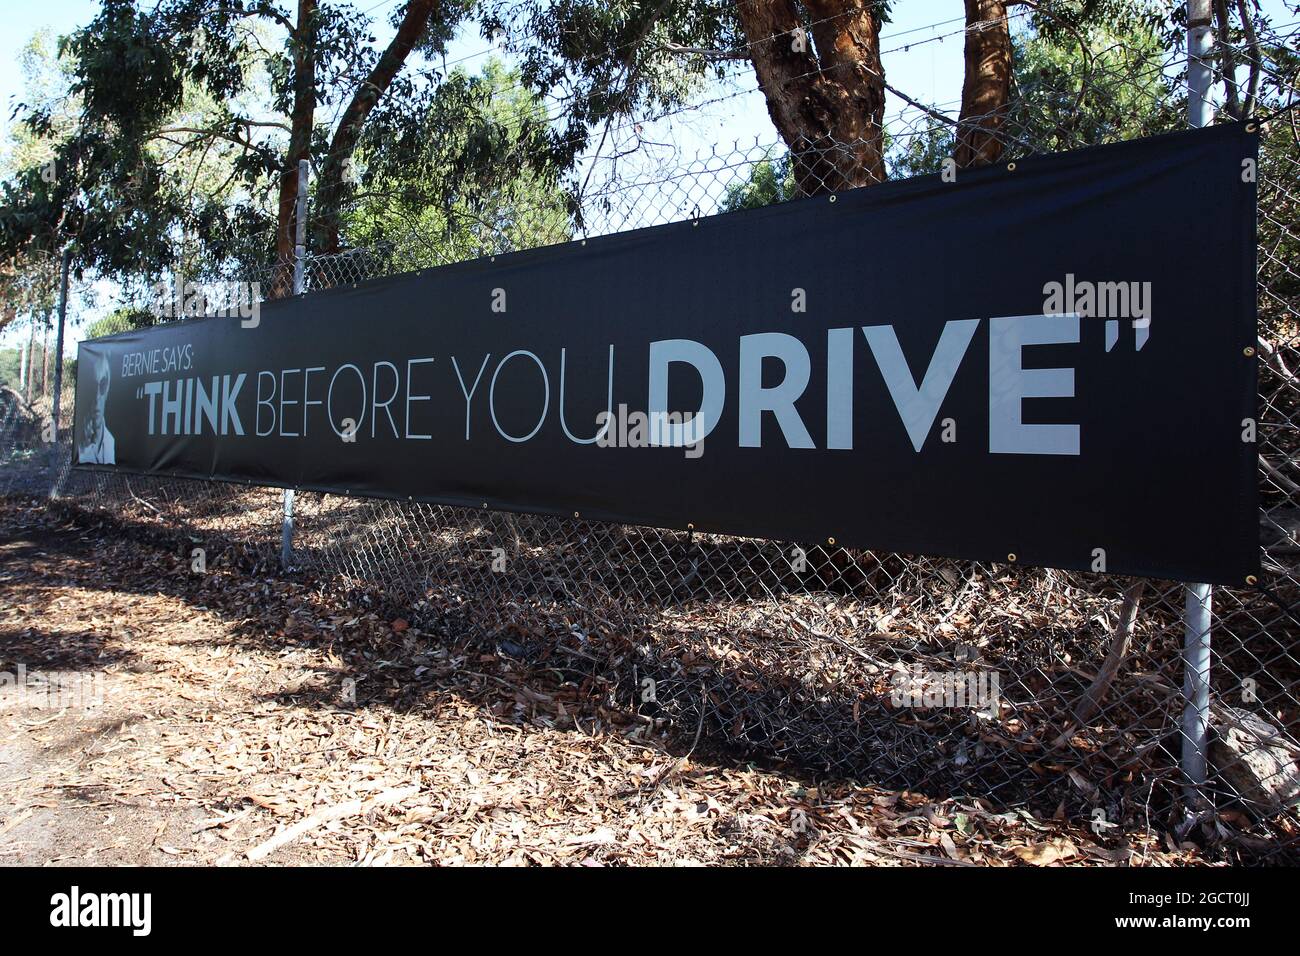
{"points": [[986, 84], [254, 79], [817, 62], [819, 67], [477, 190], [29, 278], [1093, 77]]}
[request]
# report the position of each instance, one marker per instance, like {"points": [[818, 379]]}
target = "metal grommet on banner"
{"points": [[1011, 558], [1252, 126], [1252, 580], [1011, 167], [1248, 351], [831, 542], [576, 515], [832, 197]]}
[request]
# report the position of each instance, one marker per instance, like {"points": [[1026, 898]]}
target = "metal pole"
{"points": [[1196, 691], [299, 258], [58, 346], [300, 227], [1196, 619], [1200, 47]]}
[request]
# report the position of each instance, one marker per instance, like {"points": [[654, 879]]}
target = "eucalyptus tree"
{"points": [[255, 85]]}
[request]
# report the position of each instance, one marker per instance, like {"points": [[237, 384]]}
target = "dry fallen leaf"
{"points": [[1054, 850]]}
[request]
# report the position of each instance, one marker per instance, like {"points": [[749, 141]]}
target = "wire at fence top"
{"points": [[549, 119], [1010, 18], [1167, 62], [534, 35], [749, 45], [515, 127], [1170, 60]]}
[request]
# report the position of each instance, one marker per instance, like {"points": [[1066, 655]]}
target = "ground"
{"points": [[229, 708]]}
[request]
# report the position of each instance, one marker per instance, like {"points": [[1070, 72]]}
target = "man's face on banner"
{"points": [[94, 426], [101, 387]]}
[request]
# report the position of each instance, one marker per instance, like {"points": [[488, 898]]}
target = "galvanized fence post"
{"points": [[1196, 614], [53, 464], [299, 258], [1196, 691], [58, 344]]}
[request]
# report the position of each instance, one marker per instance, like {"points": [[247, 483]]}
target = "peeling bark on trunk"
{"points": [[329, 185], [825, 94], [304, 113], [986, 89]]}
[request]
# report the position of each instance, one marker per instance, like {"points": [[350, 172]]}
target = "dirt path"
{"points": [[225, 708]]}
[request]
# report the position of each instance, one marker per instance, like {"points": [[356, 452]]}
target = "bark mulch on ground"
{"points": [[244, 719]]}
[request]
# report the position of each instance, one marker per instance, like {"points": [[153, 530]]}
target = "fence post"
{"points": [[299, 257], [58, 346], [1196, 614], [1196, 691]]}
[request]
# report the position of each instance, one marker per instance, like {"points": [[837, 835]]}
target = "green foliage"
{"points": [[609, 59], [770, 181], [10, 366], [173, 159], [921, 153], [123, 319], [1100, 83], [481, 187]]}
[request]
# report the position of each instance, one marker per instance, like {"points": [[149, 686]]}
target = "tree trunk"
{"points": [[986, 89], [22, 369], [827, 100], [300, 123], [45, 359], [31, 361], [329, 184]]}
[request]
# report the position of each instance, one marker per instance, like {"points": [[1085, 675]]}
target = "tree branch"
{"points": [[1089, 704]]}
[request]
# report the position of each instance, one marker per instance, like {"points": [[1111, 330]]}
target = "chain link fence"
{"points": [[1061, 692]]}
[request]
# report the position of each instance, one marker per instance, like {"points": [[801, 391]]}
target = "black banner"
{"points": [[1051, 359]]}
